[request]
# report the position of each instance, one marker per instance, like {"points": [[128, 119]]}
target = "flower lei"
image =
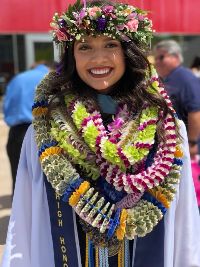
{"points": [[128, 181], [120, 21]]}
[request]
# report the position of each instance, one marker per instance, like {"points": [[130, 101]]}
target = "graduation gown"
{"points": [[29, 238]]}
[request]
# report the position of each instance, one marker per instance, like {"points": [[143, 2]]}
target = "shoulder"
{"points": [[188, 84], [182, 128], [186, 75], [18, 80], [15, 79], [36, 72], [183, 137]]}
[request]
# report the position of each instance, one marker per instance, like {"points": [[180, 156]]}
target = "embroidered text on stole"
{"points": [[63, 248]]}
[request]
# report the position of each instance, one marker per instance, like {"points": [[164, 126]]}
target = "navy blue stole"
{"points": [[62, 229], [150, 248]]}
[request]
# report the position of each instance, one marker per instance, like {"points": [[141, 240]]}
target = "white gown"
{"points": [[29, 240]]}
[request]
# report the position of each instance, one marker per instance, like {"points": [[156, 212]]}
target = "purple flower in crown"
{"points": [[82, 13], [79, 16], [62, 23], [109, 11], [101, 24], [59, 68], [141, 17], [132, 16]]}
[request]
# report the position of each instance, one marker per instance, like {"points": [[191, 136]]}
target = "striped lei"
{"points": [[135, 195]]}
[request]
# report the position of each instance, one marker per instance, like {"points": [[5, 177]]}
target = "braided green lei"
{"points": [[79, 155]]}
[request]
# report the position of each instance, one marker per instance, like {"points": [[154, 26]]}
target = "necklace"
{"points": [[75, 138]]}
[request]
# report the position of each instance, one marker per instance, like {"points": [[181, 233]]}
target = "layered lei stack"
{"points": [[127, 179]]}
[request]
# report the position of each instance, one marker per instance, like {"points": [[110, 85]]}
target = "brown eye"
{"points": [[112, 45], [83, 47]]}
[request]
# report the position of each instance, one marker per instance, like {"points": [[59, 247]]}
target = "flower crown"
{"points": [[117, 20]]}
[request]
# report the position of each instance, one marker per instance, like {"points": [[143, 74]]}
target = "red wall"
{"points": [[173, 16]]}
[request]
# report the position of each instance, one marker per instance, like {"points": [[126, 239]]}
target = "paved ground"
{"points": [[5, 185]]}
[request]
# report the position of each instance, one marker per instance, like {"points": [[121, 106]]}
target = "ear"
{"points": [[176, 56]]}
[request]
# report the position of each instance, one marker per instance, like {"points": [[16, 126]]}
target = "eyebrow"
{"points": [[110, 39]]}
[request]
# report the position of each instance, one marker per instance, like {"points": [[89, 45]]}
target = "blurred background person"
{"points": [[195, 66], [17, 109], [182, 86]]}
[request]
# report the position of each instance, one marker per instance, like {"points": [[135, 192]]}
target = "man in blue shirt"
{"points": [[182, 86], [17, 109]]}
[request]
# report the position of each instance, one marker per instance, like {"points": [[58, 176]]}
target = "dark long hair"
{"points": [[130, 89]]}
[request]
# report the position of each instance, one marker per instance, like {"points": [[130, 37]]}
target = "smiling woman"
{"points": [[100, 61], [101, 166]]}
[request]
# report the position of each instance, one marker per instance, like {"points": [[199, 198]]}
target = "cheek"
{"points": [[79, 65], [119, 60]]}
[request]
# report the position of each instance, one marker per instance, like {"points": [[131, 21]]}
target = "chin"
{"points": [[100, 87], [102, 90]]}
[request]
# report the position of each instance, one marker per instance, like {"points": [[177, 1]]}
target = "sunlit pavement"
{"points": [[5, 185]]}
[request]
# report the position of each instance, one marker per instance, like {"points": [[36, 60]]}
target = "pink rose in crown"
{"points": [[61, 35], [132, 25], [108, 9], [93, 10]]}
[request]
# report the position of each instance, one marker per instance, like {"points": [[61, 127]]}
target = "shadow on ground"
{"points": [[3, 229], [5, 202]]}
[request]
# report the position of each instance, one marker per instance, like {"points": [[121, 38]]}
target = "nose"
{"points": [[99, 56]]}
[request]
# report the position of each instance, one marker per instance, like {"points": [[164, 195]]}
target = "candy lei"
{"points": [[81, 139]]}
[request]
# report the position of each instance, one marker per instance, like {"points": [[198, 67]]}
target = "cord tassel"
{"points": [[126, 253], [134, 250], [96, 257], [86, 251]]}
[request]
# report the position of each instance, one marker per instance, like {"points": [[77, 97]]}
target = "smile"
{"points": [[100, 72]]}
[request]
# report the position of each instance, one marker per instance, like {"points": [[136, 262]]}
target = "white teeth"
{"points": [[100, 71]]}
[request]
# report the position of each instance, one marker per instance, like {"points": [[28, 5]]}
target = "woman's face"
{"points": [[99, 61]]}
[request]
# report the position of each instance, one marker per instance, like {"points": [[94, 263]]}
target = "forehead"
{"points": [[160, 51], [99, 38]]}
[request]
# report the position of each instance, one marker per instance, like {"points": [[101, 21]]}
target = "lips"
{"points": [[100, 72]]}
